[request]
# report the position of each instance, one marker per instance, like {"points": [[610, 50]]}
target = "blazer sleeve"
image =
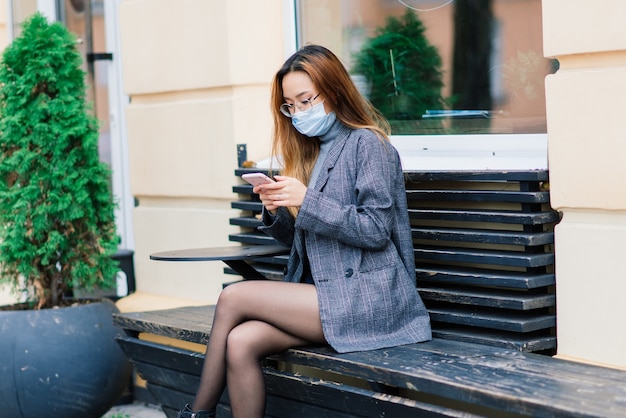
{"points": [[279, 226], [364, 215]]}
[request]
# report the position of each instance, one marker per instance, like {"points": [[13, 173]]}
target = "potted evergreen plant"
{"points": [[57, 234]]}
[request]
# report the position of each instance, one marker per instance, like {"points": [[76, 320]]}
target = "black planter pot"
{"points": [[60, 362]]}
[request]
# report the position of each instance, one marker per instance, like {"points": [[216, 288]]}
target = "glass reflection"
{"points": [[440, 66]]}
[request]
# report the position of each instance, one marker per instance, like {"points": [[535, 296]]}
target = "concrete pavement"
{"points": [[135, 410]]}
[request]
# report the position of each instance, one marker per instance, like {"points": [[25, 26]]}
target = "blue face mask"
{"points": [[313, 122]]}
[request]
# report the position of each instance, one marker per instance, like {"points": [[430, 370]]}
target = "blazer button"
{"points": [[348, 272]]}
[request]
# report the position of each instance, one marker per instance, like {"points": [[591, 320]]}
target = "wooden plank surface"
{"points": [[484, 277], [172, 382], [148, 352], [511, 321], [483, 236], [243, 189], [521, 301], [256, 238], [483, 256], [296, 395], [533, 176], [245, 221], [250, 205], [497, 378], [190, 323], [528, 342], [478, 195], [484, 215]]}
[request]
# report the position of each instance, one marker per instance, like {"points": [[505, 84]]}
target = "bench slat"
{"points": [[245, 222], [526, 176], [527, 342], [252, 238], [251, 205], [483, 277], [190, 323], [148, 352], [478, 196], [303, 395], [244, 188], [168, 378], [499, 320], [469, 255], [488, 298], [486, 236], [511, 217]]}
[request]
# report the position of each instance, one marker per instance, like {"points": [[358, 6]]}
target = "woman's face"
{"points": [[299, 90]]}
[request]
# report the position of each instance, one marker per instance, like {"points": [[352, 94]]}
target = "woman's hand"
{"points": [[286, 191]]}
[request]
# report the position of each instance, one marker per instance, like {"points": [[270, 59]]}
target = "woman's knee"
{"points": [[242, 346], [230, 298]]}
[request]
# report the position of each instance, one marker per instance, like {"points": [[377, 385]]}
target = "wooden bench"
{"points": [[485, 270], [438, 378]]}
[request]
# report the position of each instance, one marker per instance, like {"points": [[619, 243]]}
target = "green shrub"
{"points": [[57, 228], [405, 86]]}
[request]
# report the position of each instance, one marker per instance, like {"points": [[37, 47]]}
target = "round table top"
{"points": [[220, 253]]}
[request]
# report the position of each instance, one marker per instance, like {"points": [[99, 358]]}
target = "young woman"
{"points": [[340, 205]]}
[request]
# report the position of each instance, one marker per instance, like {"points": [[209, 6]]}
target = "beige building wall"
{"points": [[4, 24], [198, 74], [586, 136]]}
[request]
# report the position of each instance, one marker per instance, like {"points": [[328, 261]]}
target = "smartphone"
{"points": [[257, 178]]}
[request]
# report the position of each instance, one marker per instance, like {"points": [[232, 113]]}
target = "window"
{"points": [[440, 67]]}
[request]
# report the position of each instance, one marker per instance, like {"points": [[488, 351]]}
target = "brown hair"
{"points": [[298, 152]]}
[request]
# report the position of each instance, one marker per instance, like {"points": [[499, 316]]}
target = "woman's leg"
{"points": [[248, 344], [290, 308]]}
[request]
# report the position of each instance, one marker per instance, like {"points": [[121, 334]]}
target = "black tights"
{"points": [[254, 319]]}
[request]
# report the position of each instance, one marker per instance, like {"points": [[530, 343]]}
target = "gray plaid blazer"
{"points": [[354, 228]]}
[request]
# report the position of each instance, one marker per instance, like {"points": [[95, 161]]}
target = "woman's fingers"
{"points": [[286, 191]]}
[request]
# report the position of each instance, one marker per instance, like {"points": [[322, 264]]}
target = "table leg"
{"points": [[246, 270]]}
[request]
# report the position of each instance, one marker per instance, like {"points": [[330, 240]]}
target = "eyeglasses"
{"points": [[288, 109]]}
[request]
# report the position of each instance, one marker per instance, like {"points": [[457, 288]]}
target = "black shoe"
{"points": [[187, 412]]}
